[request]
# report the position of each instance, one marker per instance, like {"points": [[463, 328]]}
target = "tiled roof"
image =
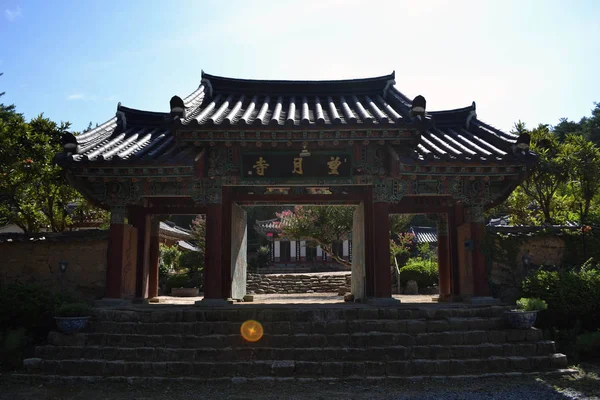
{"points": [[143, 137], [295, 103], [170, 230], [424, 234]]}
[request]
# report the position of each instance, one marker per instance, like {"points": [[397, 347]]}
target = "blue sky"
{"points": [[536, 61]]}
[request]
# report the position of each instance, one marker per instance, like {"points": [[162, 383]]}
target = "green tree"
{"points": [[318, 225], [34, 193], [549, 175], [582, 158]]}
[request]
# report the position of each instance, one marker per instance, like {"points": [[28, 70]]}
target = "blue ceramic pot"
{"points": [[69, 325], [521, 319]]}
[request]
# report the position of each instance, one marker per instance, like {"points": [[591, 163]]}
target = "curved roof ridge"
{"points": [[384, 78]]}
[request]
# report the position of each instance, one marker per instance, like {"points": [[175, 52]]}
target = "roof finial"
{"points": [[177, 107], [418, 107]]}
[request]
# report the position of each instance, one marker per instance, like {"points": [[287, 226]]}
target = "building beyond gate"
{"points": [[235, 142]]}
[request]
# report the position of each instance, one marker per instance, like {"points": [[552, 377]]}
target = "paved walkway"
{"points": [[300, 298]]}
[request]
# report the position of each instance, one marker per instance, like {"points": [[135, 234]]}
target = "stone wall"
{"points": [[270, 284], [506, 260], [35, 259]]}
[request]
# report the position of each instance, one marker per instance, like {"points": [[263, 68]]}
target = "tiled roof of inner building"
{"points": [[143, 137]]}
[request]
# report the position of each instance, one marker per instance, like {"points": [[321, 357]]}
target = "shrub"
{"points": [[193, 261], [531, 304], [180, 281], [573, 297], [12, 345], [262, 257], [30, 307], [169, 255], [26, 317], [424, 272], [74, 310], [588, 345]]}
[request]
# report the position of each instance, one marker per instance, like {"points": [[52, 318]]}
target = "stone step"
{"points": [[242, 313], [282, 327], [230, 354], [291, 368], [359, 339]]}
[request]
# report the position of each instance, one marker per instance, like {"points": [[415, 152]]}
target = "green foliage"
{"points": [[34, 191], [531, 304], [73, 310], [318, 225], [182, 281], [259, 259], [29, 306], [169, 256], [588, 346], [424, 272], [26, 317], [191, 261], [401, 248], [573, 297], [13, 343]]}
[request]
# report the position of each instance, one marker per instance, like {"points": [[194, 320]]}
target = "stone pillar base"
{"points": [[213, 302]]}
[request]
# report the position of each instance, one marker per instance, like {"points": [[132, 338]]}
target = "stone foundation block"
{"points": [[332, 369], [179, 368], [496, 336], [114, 368], [283, 368], [545, 348], [519, 363], [398, 368], [475, 337], [414, 327], [558, 360]]}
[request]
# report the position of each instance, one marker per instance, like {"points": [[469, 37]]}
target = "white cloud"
{"points": [[13, 14], [76, 96]]}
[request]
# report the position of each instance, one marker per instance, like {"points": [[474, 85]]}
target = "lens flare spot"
{"points": [[252, 331]]}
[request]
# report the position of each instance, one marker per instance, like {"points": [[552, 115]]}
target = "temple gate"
{"points": [[234, 142]]}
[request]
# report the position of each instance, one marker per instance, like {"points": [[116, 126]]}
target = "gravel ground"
{"points": [[584, 385]]}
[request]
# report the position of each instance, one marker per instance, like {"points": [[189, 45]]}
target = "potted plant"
{"points": [[524, 316], [72, 317]]}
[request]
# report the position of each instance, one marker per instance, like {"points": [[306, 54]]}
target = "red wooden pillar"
{"points": [[381, 247], [480, 282], [213, 256], [153, 258], [139, 219], [444, 258], [369, 247], [453, 250], [121, 257], [226, 243]]}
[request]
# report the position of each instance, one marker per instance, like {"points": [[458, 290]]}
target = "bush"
{"points": [[74, 310], [26, 317], [262, 257], [193, 261], [169, 255], [180, 281], [424, 272], [31, 307], [588, 346], [531, 304], [573, 298]]}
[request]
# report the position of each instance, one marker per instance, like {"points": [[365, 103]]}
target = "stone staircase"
{"points": [[352, 342]]}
